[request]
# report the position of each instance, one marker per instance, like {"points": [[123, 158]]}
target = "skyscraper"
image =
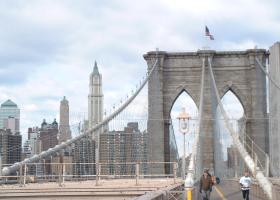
{"points": [[48, 138], [48, 135], [64, 128], [64, 134], [84, 150], [31, 147], [10, 145], [33, 144], [84, 156], [10, 116], [127, 146], [95, 98]]}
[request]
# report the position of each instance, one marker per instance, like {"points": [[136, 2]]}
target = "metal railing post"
{"points": [[137, 173], [63, 173], [174, 171], [44, 168], [51, 161], [60, 174], [98, 172], [20, 176], [24, 176], [36, 175]]}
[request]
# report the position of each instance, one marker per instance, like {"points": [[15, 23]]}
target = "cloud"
{"points": [[47, 47]]}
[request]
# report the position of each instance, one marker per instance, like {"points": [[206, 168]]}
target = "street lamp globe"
{"points": [[184, 119]]}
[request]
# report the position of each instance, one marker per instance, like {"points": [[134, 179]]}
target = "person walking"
{"points": [[245, 182], [205, 186]]}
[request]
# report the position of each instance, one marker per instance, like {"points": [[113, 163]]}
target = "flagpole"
{"points": [[206, 43], [205, 37], [208, 38], [205, 46]]}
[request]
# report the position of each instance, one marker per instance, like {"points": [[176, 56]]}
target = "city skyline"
{"points": [[50, 54], [144, 100]]}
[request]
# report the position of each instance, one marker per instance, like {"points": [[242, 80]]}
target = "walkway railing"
{"points": [[64, 172]]}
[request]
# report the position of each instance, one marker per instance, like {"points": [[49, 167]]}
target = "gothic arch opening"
{"points": [[227, 160], [183, 100], [232, 90]]}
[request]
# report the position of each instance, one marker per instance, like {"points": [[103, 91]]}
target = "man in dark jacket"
{"points": [[205, 186]]}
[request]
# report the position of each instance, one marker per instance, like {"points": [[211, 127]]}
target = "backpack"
{"points": [[218, 180]]}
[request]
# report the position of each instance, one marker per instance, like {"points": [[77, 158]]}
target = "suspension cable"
{"points": [[264, 182], [190, 175], [16, 166], [267, 74]]}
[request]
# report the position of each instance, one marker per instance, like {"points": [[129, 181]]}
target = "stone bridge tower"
{"points": [[177, 72]]}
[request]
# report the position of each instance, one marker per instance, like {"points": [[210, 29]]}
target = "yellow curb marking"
{"points": [[220, 193]]}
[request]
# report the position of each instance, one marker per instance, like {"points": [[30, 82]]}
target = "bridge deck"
{"points": [[107, 189], [115, 189]]}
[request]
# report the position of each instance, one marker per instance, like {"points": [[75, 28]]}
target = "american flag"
{"points": [[207, 33]]}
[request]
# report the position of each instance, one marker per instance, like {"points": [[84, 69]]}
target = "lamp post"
{"points": [[184, 119]]}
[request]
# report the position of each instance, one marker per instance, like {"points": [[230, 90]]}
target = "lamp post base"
{"points": [[189, 193]]}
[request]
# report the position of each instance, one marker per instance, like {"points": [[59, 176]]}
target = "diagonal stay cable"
{"points": [[263, 181], [190, 175], [16, 166]]}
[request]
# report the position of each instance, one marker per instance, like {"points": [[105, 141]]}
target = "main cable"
{"points": [[16, 166]]}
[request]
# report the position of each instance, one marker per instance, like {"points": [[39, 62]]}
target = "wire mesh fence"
{"points": [[63, 172]]}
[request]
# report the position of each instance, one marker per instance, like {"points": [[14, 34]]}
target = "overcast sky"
{"points": [[47, 47]]}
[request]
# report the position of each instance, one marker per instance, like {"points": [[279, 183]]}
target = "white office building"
{"points": [[10, 116]]}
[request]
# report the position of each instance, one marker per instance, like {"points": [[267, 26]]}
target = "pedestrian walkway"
{"points": [[230, 190]]}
